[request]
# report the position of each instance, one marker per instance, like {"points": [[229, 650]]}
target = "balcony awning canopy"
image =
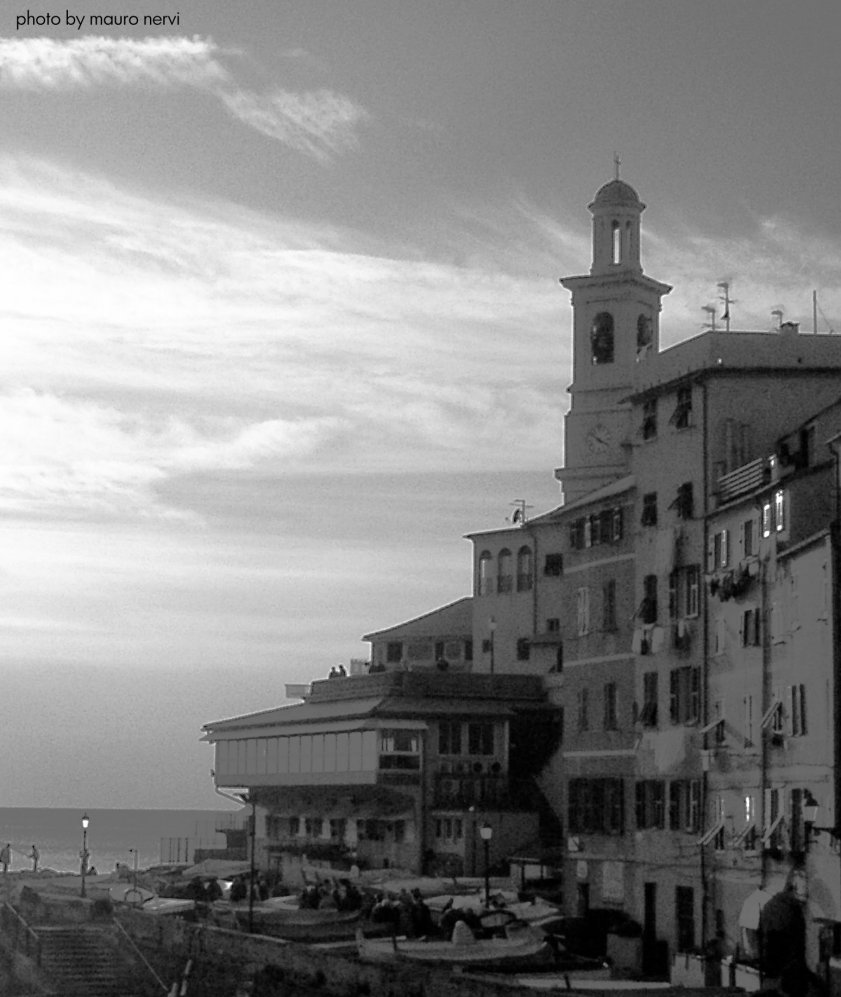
{"points": [[333, 802]]}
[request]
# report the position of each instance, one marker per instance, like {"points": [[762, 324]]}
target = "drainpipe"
{"points": [[705, 674], [766, 703], [835, 590]]}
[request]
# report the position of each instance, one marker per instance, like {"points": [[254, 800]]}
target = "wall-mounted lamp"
{"points": [[811, 808]]}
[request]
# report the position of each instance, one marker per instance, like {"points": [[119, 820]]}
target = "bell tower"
{"points": [[616, 325]]}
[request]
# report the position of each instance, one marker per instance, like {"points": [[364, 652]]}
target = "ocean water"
{"points": [[157, 835]]}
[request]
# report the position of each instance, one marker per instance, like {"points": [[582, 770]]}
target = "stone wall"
{"points": [[223, 963]]}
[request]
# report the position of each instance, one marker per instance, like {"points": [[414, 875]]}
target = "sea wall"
{"points": [[223, 963]]}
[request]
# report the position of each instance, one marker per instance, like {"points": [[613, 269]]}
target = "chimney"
{"points": [[789, 328]]}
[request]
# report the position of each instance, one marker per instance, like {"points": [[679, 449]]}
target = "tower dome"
{"points": [[617, 193]]}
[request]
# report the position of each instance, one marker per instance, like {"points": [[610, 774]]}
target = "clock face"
{"points": [[598, 439]]}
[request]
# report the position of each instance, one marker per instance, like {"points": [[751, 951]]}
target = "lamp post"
{"points": [[492, 629], [133, 851], [84, 852], [486, 833]]}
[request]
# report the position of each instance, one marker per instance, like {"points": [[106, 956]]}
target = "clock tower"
{"points": [[616, 325]]}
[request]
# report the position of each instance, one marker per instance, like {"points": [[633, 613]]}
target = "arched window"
{"points": [[617, 243], [524, 570], [601, 338], [503, 571], [485, 585]]}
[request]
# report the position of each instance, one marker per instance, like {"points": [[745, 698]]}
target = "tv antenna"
{"points": [[724, 297], [518, 516], [711, 311]]}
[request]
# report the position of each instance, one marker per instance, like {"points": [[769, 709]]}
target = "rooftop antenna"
{"points": [[518, 516], [777, 313], [617, 162], [816, 309], [724, 285], [711, 312]]}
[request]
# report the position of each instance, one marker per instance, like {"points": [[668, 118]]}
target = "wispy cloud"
{"points": [[320, 123]]}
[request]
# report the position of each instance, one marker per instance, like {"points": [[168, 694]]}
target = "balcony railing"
{"points": [[462, 790]]}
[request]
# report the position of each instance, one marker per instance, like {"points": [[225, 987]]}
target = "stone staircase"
{"points": [[78, 960]]}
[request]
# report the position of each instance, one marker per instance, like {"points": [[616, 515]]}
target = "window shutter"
{"points": [[674, 678], [640, 804], [695, 694], [711, 565], [674, 805]]}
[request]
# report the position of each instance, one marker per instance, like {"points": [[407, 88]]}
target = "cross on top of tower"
{"points": [[617, 162]]}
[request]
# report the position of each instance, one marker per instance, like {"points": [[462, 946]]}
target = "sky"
{"points": [[280, 320]]}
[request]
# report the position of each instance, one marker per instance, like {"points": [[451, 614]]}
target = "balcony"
{"points": [[459, 791]]}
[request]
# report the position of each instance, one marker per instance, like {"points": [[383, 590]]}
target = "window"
{"points": [[684, 592], [650, 804], [596, 806], [503, 571], [609, 605], [683, 410], [779, 511], [648, 713], [610, 721], [766, 519], [772, 832], [648, 608], [683, 504], [719, 550], [601, 339], [649, 509], [747, 836], [684, 695], [685, 805], [583, 709], [294, 826], [603, 527], [394, 652], [553, 565], [399, 749], [747, 719], [576, 534], [645, 333], [582, 602], [553, 625], [449, 738], [485, 579], [616, 519], [685, 918], [748, 538], [338, 827], [649, 419], [523, 649], [524, 572], [796, 696], [313, 826], [750, 628], [480, 739]]}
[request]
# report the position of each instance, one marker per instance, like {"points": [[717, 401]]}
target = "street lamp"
{"points": [[486, 832], [83, 855], [492, 628]]}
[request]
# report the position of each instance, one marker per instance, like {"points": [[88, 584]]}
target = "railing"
{"points": [[23, 938], [744, 479], [122, 931]]}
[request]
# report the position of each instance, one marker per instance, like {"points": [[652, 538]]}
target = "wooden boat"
{"points": [[523, 948], [282, 918]]}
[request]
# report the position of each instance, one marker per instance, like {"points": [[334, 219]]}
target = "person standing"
{"points": [[35, 855], [6, 857]]}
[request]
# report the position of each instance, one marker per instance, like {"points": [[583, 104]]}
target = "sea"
{"points": [[153, 837]]}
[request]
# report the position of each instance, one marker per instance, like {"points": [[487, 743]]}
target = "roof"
{"points": [[300, 713], [726, 353], [616, 193], [617, 487], [454, 618]]}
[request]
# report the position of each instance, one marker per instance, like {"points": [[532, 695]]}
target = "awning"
{"points": [[749, 915], [769, 831], [334, 802], [711, 726]]}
